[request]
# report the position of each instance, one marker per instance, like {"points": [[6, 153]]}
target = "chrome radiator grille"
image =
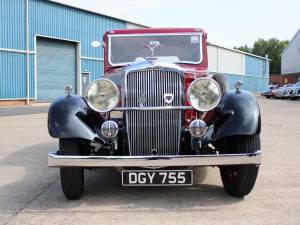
{"points": [[153, 130]]}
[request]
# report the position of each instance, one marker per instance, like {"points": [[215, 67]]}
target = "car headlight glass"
{"points": [[102, 95], [204, 94]]}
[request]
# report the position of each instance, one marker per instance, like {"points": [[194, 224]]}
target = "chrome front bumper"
{"points": [[55, 160]]}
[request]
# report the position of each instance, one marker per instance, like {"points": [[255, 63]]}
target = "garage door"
{"points": [[56, 67]]}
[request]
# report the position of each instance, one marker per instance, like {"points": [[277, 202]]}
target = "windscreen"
{"points": [[173, 47]]}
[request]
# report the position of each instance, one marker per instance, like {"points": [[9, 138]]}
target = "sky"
{"points": [[228, 22]]}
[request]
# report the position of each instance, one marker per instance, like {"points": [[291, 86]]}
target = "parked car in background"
{"points": [[270, 93], [286, 91], [294, 93], [279, 93]]}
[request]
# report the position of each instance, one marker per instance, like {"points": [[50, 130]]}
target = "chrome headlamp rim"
{"points": [[91, 84], [189, 90]]}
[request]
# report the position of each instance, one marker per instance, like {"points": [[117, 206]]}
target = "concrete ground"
{"points": [[30, 192], [23, 110]]}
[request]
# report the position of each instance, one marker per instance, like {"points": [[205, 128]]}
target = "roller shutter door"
{"points": [[56, 67]]}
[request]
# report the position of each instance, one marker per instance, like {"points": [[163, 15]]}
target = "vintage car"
{"points": [[271, 91], [286, 90], [281, 91], [156, 114], [294, 93], [278, 92]]}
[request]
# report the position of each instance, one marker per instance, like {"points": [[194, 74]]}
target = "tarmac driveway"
{"points": [[30, 192]]}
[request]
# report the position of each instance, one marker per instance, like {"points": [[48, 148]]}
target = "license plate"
{"points": [[157, 177]]}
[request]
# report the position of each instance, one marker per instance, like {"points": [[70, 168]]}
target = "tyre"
{"points": [[268, 96], [72, 178], [238, 181], [221, 80]]}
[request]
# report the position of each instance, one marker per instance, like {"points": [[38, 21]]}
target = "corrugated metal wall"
{"points": [[52, 20], [256, 77], [252, 70], [61, 22], [12, 25], [12, 75], [95, 67], [290, 58]]}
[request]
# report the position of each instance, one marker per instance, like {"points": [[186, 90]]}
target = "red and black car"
{"points": [[156, 113]]}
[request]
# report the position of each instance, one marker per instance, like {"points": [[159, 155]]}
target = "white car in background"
{"points": [[294, 93], [283, 91]]}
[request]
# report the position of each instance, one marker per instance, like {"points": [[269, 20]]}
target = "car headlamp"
{"points": [[204, 94], [102, 95]]}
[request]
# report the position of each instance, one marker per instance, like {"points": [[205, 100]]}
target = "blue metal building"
{"points": [[45, 44], [251, 69], [42, 40]]}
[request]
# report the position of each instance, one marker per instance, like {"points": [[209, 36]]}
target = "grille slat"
{"points": [[148, 130]]}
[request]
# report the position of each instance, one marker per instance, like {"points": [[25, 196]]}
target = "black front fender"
{"points": [[69, 117], [239, 115]]}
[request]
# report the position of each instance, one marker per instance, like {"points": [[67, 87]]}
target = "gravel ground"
{"points": [[30, 192]]}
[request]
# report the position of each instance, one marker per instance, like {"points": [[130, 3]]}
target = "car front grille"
{"points": [[153, 132]]}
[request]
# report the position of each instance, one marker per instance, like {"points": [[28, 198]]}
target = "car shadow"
{"points": [[38, 189]]}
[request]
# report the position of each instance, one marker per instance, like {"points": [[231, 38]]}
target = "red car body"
{"points": [[192, 71]]}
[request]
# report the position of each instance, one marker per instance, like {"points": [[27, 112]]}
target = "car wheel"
{"points": [[72, 178], [238, 181], [268, 96], [221, 80]]}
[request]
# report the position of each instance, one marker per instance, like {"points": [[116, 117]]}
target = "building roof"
{"points": [[297, 33], [95, 11]]}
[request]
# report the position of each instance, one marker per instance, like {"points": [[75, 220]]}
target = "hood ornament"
{"points": [[152, 46], [168, 97]]}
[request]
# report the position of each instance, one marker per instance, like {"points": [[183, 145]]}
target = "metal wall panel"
{"points": [[250, 83], [12, 75], [12, 24], [255, 66], [46, 19], [212, 52], [232, 78], [225, 60], [55, 20], [290, 59], [257, 74], [95, 67], [253, 71]]}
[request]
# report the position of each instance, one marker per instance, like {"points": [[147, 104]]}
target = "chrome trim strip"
{"points": [[55, 160], [152, 108]]}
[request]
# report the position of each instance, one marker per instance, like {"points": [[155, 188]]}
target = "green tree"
{"points": [[272, 47], [244, 48]]}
